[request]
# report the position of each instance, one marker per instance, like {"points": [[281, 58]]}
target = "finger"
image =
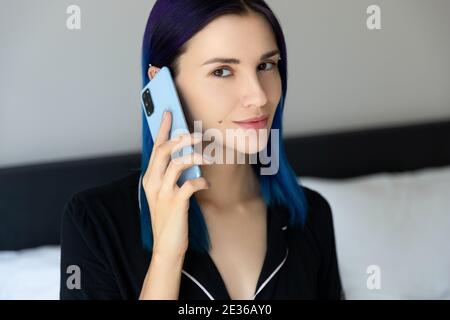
{"points": [[191, 186], [164, 129], [163, 135], [181, 141], [164, 153], [177, 166]]}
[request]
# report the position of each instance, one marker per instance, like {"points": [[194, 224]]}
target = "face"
{"points": [[223, 93]]}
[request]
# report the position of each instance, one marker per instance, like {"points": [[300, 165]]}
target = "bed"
{"points": [[388, 188]]}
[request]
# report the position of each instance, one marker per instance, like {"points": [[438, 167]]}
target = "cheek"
{"points": [[273, 92], [272, 87], [198, 104], [213, 104]]}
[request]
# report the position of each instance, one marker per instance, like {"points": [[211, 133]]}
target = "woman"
{"points": [[234, 233]]}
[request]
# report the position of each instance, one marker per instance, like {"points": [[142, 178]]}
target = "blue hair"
{"points": [[170, 25]]}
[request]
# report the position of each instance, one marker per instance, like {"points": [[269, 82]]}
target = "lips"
{"points": [[254, 123]]}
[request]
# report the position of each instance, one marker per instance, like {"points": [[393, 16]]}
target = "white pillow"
{"points": [[398, 223], [30, 274]]}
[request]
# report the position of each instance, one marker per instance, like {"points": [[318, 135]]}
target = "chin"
{"points": [[250, 145]]}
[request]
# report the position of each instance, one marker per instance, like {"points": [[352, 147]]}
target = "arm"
{"points": [[163, 278]]}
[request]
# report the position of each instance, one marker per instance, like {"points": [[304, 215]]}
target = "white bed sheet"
{"points": [[30, 274]]}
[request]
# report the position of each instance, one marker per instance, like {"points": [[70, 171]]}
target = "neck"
{"points": [[231, 184]]}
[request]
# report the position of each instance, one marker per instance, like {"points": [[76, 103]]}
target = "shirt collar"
{"points": [[200, 269]]}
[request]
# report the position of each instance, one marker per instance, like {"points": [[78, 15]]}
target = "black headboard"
{"points": [[355, 153], [32, 197]]}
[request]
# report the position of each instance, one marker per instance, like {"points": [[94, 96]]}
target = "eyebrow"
{"points": [[236, 61]]}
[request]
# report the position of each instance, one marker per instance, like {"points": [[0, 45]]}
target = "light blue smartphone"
{"points": [[159, 95]]}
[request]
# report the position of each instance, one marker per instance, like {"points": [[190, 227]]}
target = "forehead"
{"points": [[234, 36]]}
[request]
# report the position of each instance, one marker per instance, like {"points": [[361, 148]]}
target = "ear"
{"points": [[152, 71]]}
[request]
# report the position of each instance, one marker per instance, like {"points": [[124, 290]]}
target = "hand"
{"points": [[169, 203]]}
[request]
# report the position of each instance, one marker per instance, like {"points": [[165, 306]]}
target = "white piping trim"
{"points": [[257, 292], [198, 284], [271, 276]]}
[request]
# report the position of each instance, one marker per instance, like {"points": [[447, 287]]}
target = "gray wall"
{"points": [[74, 94]]}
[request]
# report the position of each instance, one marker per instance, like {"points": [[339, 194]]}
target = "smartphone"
{"points": [[158, 96]]}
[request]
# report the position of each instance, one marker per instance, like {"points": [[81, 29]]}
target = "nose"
{"points": [[253, 93]]}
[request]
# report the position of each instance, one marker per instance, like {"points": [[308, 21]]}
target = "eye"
{"points": [[217, 73], [270, 63], [220, 74]]}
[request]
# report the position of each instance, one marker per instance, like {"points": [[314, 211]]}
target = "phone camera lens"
{"points": [[148, 103]]}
